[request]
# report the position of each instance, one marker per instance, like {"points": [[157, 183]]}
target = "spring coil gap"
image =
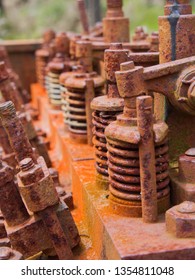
{"points": [[124, 170], [101, 119]]}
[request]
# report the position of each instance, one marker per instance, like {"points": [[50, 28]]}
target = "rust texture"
{"points": [[11, 204], [124, 142], [44, 55], [180, 220], [56, 66], [176, 41], [24, 94], [39, 194], [10, 93], [38, 191], [107, 107], [77, 94], [115, 25], [20, 143], [64, 196], [183, 178], [144, 106]]}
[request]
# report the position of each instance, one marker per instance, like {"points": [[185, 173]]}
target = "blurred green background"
{"points": [[21, 19]]}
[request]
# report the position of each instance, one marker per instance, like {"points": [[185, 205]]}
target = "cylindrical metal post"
{"points": [[147, 159]]}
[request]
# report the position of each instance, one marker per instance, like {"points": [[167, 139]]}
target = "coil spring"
{"points": [[54, 89], [76, 111], [124, 171], [100, 121], [41, 63], [64, 103]]}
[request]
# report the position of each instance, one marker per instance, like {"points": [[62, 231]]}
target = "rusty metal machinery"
{"points": [[44, 55], [115, 25], [107, 107], [123, 136], [58, 65], [80, 91], [53, 221], [4, 241], [10, 92], [176, 41]]}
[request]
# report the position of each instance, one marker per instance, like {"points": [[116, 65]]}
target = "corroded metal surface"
{"points": [[109, 106], [180, 220], [37, 189], [124, 144], [115, 25]]}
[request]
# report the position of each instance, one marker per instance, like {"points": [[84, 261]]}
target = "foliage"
{"points": [[29, 18]]}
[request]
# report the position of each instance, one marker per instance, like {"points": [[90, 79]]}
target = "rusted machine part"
{"points": [[44, 55], [7, 253], [180, 220], [8, 88], [77, 89], [154, 41], [106, 108], [19, 143], [123, 140], [42, 59], [175, 80], [38, 191], [58, 65], [183, 179], [84, 55], [140, 34], [8, 154], [4, 240], [76, 105], [24, 95], [176, 38], [144, 106], [61, 190], [83, 16], [26, 235], [176, 31], [115, 25], [12, 206]]}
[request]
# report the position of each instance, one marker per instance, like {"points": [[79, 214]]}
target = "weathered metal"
{"points": [[37, 189], [144, 105], [77, 91], [183, 178], [10, 93], [58, 65], [180, 220], [123, 139], [107, 107], [176, 41], [115, 25]]}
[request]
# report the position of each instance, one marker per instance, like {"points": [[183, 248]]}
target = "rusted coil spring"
{"points": [[64, 103], [54, 90], [41, 63], [100, 121], [124, 171], [76, 111]]}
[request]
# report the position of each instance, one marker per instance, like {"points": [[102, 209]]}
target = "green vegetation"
{"points": [[29, 18]]}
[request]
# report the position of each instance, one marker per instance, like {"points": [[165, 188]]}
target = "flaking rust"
{"points": [[37, 189]]}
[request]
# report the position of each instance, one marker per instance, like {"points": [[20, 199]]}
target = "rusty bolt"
{"points": [[17, 136], [180, 220]]}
